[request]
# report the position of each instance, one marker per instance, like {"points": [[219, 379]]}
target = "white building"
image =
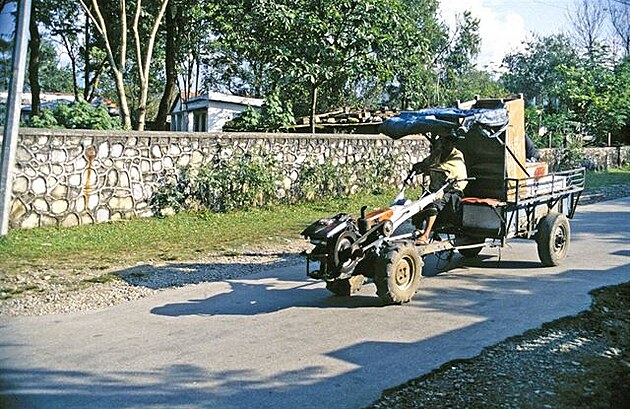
{"points": [[209, 112]]}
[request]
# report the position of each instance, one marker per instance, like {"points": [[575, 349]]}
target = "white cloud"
{"points": [[502, 31]]}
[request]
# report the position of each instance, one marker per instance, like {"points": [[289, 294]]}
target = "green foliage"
{"points": [[576, 95], [46, 119], [240, 183], [248, 121], [275, 115], [52, 76], [325, 179], [78, 115], [599, 97], [535, 71], [253, 181]]}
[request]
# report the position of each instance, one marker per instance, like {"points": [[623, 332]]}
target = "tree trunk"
{"points": [[170, 86], [313, 105], [144, 64], [125, 118], [33, 63], [86, 58]]}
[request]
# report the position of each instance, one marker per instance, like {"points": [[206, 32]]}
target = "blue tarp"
{"points": [[444, 121]]}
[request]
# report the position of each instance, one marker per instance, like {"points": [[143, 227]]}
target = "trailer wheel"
{"points": [[398, 277], [347, 286], [470, 253], [469, 240], [553, 239]]}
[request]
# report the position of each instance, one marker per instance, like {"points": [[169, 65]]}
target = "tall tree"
{"points": [[620, 20], [116, 49], [144, 57], [535, 70], [311, 42], [117, 56], [588, 19]]}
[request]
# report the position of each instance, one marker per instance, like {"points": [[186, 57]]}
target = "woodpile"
{"points": [[346, 116]]}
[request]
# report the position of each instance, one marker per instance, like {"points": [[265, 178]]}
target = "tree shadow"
{"points": [[180, 274], [442, 323], [371, 365]]}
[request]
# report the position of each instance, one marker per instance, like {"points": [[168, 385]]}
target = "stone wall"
{"points": [[594, 158], [73, 177]]}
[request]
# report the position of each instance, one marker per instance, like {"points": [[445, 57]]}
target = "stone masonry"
{"points": [[71, 177]]}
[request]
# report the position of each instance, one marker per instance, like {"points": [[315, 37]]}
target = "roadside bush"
{"points": [[224, 185], [570, 157], [322, 180], [251, 181], [78, 115]]}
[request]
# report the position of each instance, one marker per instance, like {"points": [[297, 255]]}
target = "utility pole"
{"points": [[14, 108]]}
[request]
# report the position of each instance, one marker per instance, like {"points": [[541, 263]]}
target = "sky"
{"points": [[505, 24]]}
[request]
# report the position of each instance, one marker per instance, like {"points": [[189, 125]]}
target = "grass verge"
{"points": [[185, 236], [597, 180]]}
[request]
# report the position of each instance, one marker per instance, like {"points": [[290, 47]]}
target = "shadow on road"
{"points": [[191, 385], [523, 291]]}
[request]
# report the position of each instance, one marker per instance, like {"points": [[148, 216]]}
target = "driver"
{"points": [[450, 161]]}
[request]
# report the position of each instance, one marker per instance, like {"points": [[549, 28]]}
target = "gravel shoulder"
{"points": [[574, 362]]}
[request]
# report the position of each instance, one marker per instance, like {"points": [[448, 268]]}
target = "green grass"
{"points": [[184, 236], [596, 180]]}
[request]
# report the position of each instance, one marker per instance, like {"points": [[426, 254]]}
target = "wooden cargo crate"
{"points": [[489, 160]]}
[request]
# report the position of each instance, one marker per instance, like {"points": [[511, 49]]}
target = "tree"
{"points": [[461, 50], [620, 20], [588, 21], [311, 43], [535, 70], [53, 77], [62, 18], [116, 49], [422, 46], [599, 96]]}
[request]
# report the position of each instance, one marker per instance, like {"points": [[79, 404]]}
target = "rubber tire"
{"points": [[470, 253], [343, 242], [347, 286], [553, 237], [398, 277]]}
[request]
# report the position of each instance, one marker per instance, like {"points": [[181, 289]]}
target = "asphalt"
{"points": [[280, 340]]}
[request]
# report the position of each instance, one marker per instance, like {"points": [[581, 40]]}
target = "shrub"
{"points": [[223, 185], [78, 115]]}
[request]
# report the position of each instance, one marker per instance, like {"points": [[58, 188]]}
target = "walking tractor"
{"points": [[506, 196]]}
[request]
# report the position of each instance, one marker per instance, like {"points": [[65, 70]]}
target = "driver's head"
{"points": [[442, 146]]}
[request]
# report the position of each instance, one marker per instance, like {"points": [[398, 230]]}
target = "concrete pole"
{"points": [[14, 108]]}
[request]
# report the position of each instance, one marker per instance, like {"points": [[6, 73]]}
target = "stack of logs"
{"points": [[346, 116]]}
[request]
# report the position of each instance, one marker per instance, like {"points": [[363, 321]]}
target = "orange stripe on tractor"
{"points": [[379, 215]]}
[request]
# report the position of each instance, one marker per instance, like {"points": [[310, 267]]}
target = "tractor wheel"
{"points": [[553, 239], [399, 274], [347, 286]]}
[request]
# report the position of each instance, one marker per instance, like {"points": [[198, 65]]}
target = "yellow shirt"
{"points": [[454, 167]]}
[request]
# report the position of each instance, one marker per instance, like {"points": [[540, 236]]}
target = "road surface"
{"points": [[279, 340]]}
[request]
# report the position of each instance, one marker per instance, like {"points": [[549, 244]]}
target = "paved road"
{"points": [[277, 340]]}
